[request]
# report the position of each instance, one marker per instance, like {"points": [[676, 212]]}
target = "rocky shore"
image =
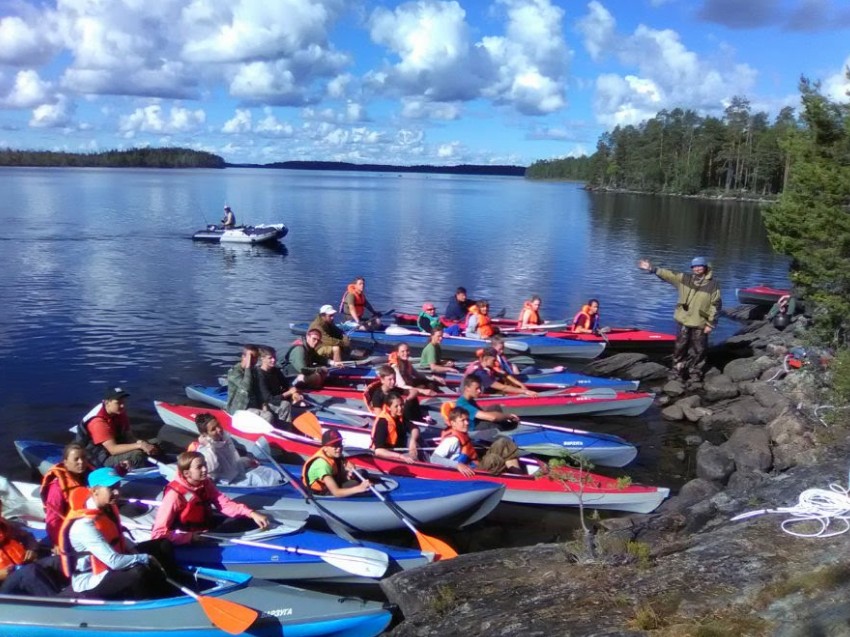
{"points": [[686, 569]]}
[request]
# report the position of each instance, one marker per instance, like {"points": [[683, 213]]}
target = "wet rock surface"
{"points": [[686, 569]]}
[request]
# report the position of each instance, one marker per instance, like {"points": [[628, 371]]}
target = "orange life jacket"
{"points": [[485, 323], [367, 394], [534, 315], [466, 445], [193, 446], [359, 301], [12, 552], [74, 491], [194, 506], [445, 409], [405, 368], [336, 466], [584, 319], [108, 528], [392, 428]]}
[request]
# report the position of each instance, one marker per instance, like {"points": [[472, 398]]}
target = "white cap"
{"points": [[327, 309]]}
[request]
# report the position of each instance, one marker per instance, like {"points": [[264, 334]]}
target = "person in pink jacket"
{"points": [[190, 502]]}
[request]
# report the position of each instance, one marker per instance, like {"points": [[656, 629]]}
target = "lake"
{"points": [[102, 285]]}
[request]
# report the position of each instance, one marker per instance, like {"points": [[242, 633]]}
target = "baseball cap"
{"points": [[331, 438], [115, 393], [327, 309], [697, 261], [104, 477]]}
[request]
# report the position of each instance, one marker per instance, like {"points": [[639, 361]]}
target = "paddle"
{"points": [[440, 549], [398, 330], [247, 422], [356, 560], [229, 616], [309, 425]]}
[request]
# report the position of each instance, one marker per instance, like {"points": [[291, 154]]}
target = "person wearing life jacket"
{"points": [[190, 501], [428, 321], [98, 559], [697, 311], [529, 316], [478, 321], [431, 359], [586, 321], [470, 390], [407, 376], [354, 305], [492, 378], [456, 449], [391, 431], [21, 572], [376, 392], [224, 463], [106, 435], [64, 488], [325, 472]]}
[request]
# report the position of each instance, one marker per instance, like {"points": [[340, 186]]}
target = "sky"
{"points": [[438, 82]]}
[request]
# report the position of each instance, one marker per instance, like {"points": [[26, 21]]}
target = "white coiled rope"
{"points": [[827, 508]]}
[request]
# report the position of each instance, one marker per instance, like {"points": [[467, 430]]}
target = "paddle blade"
{"points": [[359, 561], [229, 616], [308, 424], [440, 549], [516, 346], [250, 423]]}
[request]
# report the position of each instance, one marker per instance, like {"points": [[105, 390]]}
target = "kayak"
{"points": [[263, 233], [283, 610], [532, 345], [436, 504], [559, 487], [759, 295], [538, 381], [542, 440], [617, 339], [232, 553]]}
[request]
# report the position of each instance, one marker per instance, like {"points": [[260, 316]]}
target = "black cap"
{"points": [[115, 393], [331, 438]]}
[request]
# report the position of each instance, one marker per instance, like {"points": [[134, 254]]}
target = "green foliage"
{"points": [[135, 158], [811, 220], [840, 366], [576, 168], [444, 600]]}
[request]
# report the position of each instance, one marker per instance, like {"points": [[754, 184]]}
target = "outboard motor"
{"points": [[781, 321]]}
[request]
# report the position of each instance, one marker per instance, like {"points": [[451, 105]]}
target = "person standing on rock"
{"points": [[697, 311]]}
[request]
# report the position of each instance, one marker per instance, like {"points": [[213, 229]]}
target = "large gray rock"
{"points": [[742, 369], [672, 412], [726, 417], [673, 388], [714, 463], [749, 447], [792, 440], [646, 370], [614, 365], [719, 387], [691, 492], [770, 397]]}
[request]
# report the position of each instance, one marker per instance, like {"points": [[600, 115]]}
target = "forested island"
{"points": [[463, 169], [741, 154], [134, 158]]}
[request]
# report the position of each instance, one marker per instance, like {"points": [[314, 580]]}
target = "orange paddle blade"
{"points": [[308, 424], [229, 616], [440, 549]]}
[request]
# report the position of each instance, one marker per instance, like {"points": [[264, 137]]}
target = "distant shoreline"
{"points": [[462, 169]]}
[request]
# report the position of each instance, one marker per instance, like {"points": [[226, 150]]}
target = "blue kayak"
{"points": [[533, 345], [434, 503]]}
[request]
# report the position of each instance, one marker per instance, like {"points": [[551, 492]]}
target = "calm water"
{"points": [[101, 284]]}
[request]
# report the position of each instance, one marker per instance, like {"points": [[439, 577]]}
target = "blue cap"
{"points": [[104, 477], [697, 261]]}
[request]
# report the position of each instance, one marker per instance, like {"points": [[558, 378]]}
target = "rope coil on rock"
{"points": [[828, 508]]}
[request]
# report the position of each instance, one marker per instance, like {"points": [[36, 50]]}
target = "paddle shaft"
{"points": [[322, 554], [383, 499]]}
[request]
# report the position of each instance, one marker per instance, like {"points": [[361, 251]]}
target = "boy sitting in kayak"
{"points": [[431, 358], [456, 449], [494, 379], [587, 319], [529, 316], [470, 390], [354, 305], [376, 393], [391, 431], [325, 473]]}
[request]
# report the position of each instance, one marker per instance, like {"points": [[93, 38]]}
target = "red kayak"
{"points": [[617, 339], [759, 295], [599, 401], [564, 486]]}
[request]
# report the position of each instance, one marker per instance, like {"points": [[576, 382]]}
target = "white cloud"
{"points": [[270, 126], [666, 74], [26, 44], [152, 119], [450, 150], [239, 123], [837, 86], [56, 115], [338, 86], [416, 108], [25, 91]]}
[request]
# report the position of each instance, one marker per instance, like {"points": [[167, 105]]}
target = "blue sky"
{"points": [[428, 81]]}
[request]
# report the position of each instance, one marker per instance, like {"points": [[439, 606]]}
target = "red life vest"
{"points": [[466, 445], [337, 468], [485, 323], [367, 394], [359, 301], [74, 491], [12, 552], [194, 506], [584, 319], [534, 315], [392, 428], [108, 528]]}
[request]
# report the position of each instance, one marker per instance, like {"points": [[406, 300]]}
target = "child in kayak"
{"points": [[470, 390], [391, 431], [478, 321], [325, 473], [529, 316], [456, 449], [431, 358], [586, 321], [493, 378]]}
